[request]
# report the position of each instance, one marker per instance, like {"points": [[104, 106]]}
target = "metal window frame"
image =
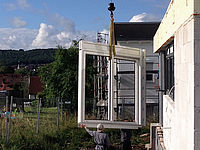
{"points": [[125, 53], [169, 70]]}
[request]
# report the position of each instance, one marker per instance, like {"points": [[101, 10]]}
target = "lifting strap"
{"points": [[112, 37]]}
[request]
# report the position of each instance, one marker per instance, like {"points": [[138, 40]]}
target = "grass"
{"points": [[67, 137]]}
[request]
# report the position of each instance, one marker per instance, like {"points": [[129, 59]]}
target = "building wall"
{"points": [[197, 81], [168, 121], [181, 123], [183, 127], [178, 114], [177, 13]]}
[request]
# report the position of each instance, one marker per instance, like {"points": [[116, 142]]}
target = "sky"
{"points": [[31, 24]]}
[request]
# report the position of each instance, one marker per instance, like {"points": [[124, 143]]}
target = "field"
{"points": [[67, 136]]}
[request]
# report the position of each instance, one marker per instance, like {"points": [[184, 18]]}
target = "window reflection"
{"points": [[124, 99], [96, 102]]}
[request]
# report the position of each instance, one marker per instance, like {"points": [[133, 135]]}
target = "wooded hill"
{"points": [[35, 56]]}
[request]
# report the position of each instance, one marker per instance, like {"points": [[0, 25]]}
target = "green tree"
{"points": [[22, 71], [61, 77], [5, 69]]}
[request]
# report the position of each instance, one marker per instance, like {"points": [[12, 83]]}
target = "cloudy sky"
{"points": [[29, 24]]}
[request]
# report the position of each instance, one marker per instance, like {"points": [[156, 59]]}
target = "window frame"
{"points": [[169, 70], [125, 53]]}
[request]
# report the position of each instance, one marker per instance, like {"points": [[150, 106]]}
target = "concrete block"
{"points": [[196, 119], [197, 51], [196, 140], [196, 27], [197, 85], [197, 96], [196, 75]]}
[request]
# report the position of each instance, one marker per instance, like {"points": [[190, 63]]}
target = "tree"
{"points": [[22, 71], [5, 70], [61, 77]]}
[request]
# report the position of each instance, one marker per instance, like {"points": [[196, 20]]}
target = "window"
{"points": [[111, 92], [149, 77], [169, 70]]}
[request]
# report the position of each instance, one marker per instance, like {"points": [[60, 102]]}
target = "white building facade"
{"points": [[178, 42]]}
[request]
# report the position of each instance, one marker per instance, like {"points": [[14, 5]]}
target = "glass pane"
{"points": [[96, 86], [124, 94]]}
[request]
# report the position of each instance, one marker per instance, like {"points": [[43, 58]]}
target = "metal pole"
{"points": [[161, 85], [61, 108], [6, 116], [38, 115], [8, 134], [57, 112]]}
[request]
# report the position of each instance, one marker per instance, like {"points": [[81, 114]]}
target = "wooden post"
{"points": [[61, 108], [38, 115], [57, 112], [6, 116], [8, 134]]}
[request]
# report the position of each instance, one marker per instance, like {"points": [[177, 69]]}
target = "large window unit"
{"points": [[111, 91]]}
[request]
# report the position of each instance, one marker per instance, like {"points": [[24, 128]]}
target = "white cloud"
{"points": [[18, 22], [61, 32], [23, 4], [45, 37], [18, 4], [63, 35], [144, 17], [49, 36], [58, 31], [61, 22], [18, 38]]}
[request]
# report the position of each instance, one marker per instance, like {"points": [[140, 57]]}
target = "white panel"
{"points": [[137, 92], [124, 53], [103, 50], [81, 87]]}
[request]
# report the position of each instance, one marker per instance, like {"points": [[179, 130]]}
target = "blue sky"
{"points": [[29, 24]]}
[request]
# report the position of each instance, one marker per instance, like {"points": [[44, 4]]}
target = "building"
{"points": [[140, 35], [35, 86], [177, 41], [23, 89]]}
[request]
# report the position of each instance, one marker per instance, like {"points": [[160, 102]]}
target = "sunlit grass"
{"points": [[67, 136]]}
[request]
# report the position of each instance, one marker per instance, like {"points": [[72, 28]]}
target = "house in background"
{"points": [[35, 87], [23, 89], [177, 40], [9, 81], [140, 35]]}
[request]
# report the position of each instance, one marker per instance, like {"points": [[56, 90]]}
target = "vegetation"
{"points": [[60, 79], [36, 56], [67, 137], [5, 69], [61, 76]]}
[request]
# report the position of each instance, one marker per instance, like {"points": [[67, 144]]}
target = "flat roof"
{"points": [[128, 31]]}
